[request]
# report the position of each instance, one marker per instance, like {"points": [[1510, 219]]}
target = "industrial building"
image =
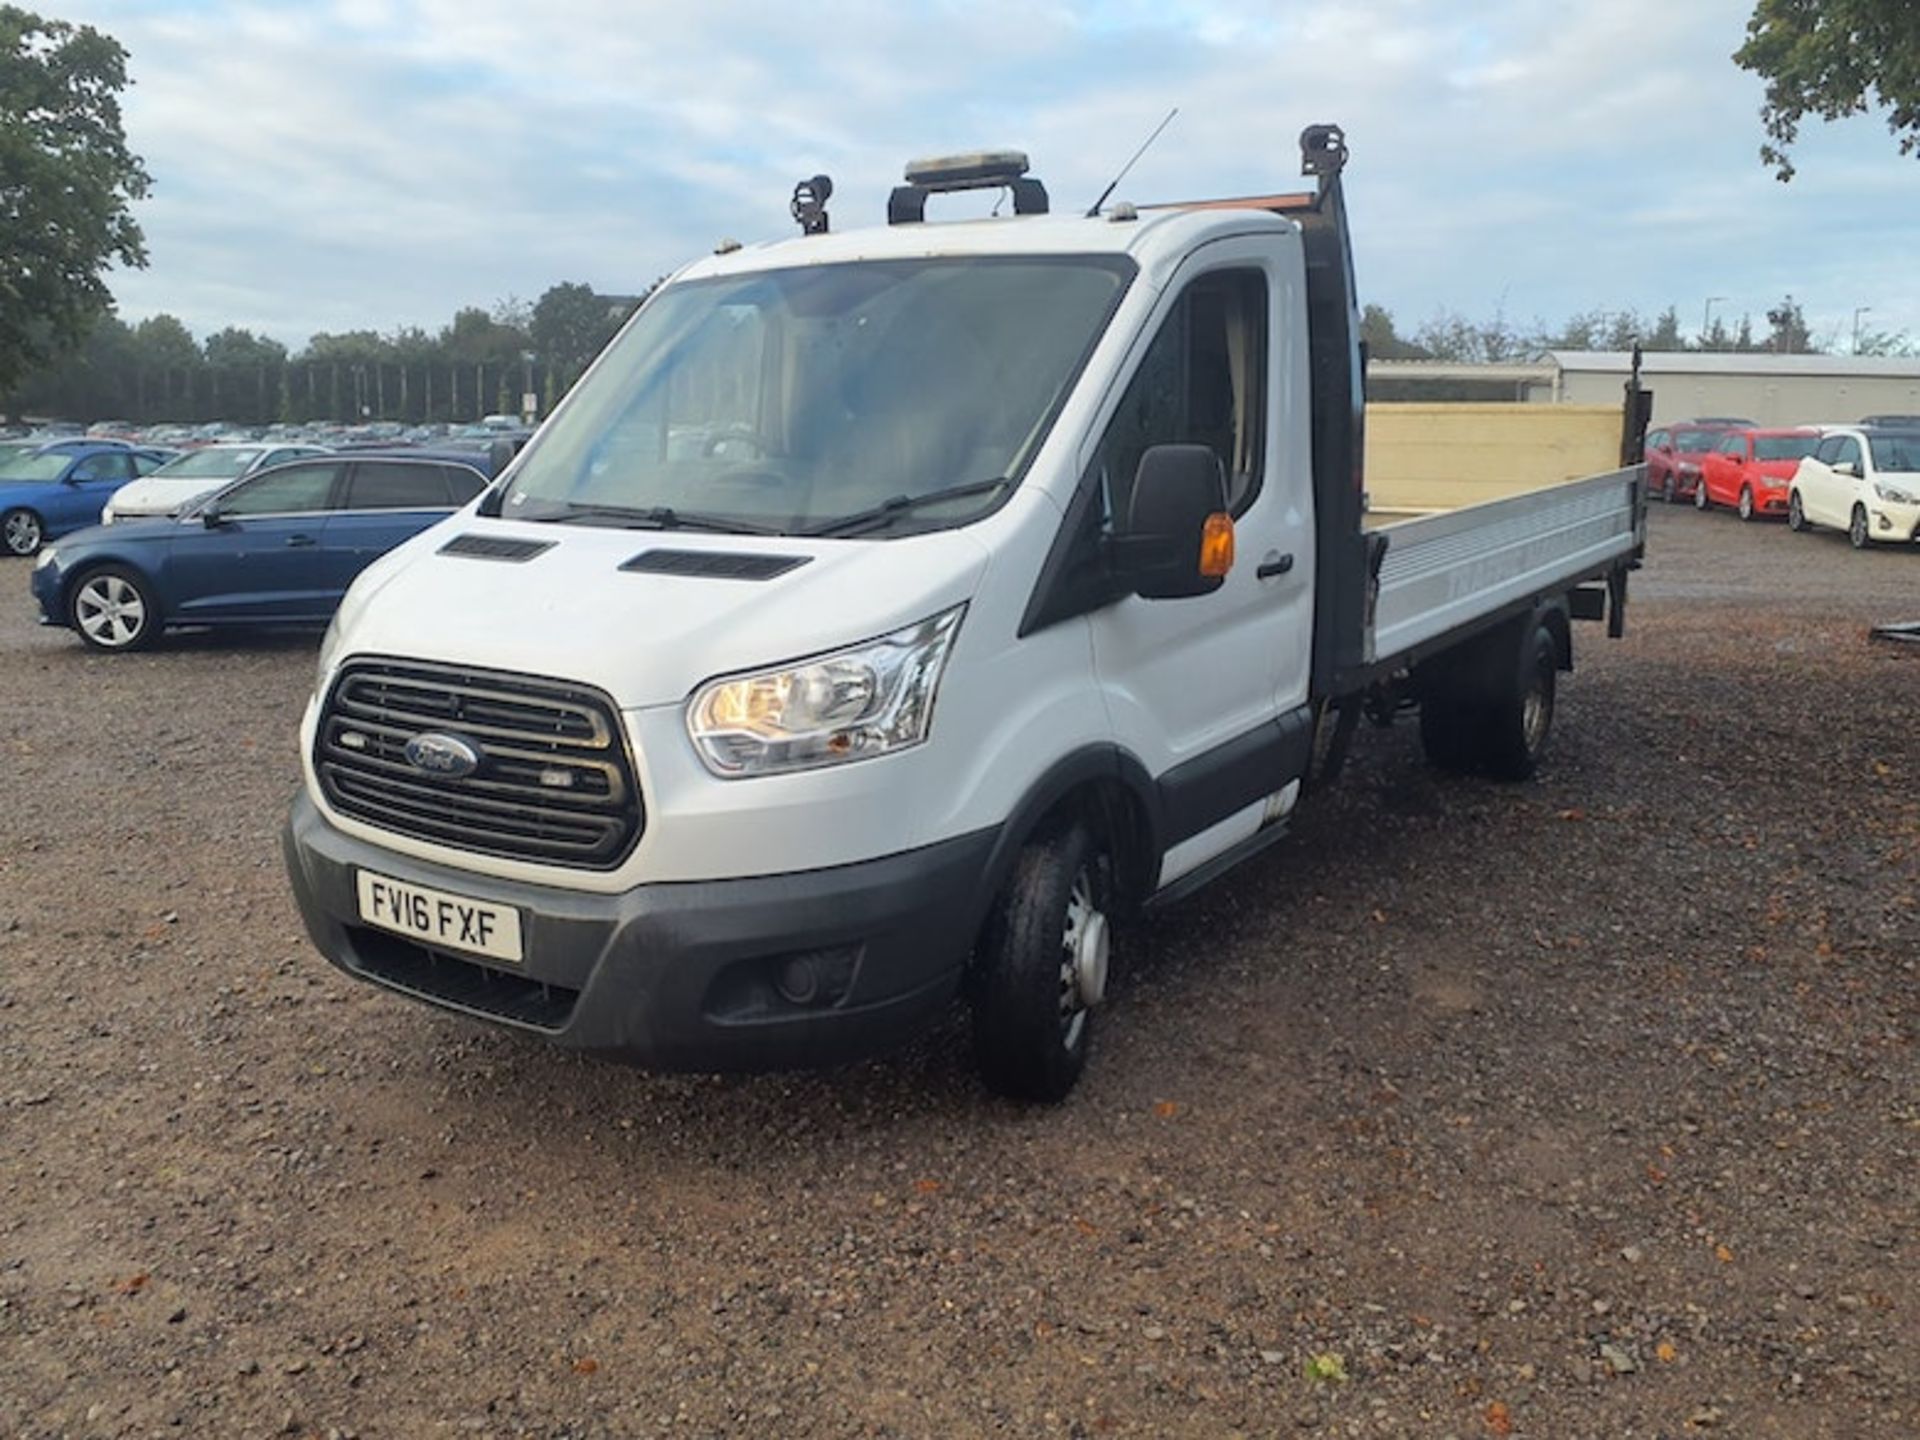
{"points": [[1767, 389]]}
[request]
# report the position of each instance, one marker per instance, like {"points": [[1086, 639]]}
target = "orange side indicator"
{"points": [[1216, 545]]}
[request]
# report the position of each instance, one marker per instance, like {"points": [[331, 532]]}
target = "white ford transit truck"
{"points": [[887, 613]]}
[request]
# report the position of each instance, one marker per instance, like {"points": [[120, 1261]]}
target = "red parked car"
{"points": [[1674, 456], [1752, 470]]}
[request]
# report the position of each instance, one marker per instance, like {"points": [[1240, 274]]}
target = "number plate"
{"points": [[447, 922]]}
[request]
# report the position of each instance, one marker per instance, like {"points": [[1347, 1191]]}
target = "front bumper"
{"points": [[45, 582], [676, 976], [1893, 523]]}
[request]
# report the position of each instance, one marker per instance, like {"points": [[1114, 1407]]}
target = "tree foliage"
{"points": [[1829, 59], [67, 182]]}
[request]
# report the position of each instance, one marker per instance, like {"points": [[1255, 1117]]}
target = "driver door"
{"points": [[89, 486], [260, 557], [1209, 690]]}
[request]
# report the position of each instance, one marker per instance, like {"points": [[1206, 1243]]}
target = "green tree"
{"points": [[168, 362], [1832, 58], [570, 325], [1787, 330], [67, 180], [1383, 341]]}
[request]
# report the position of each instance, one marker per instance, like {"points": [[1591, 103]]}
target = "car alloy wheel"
{"points": [[1857, 527], [1700, 500], [1746, 502], [112, 610], [22, 532], [1796, 512]]}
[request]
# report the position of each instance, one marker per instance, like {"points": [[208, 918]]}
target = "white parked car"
{"points": [[174, 486], [1863, 481]]}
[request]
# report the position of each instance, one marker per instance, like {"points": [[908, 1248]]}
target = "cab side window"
{"points": [[1828, 450], [291, 490], [1849, 450], [1201, 382]]}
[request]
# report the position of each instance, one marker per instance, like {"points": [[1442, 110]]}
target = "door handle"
{"points": [[298, 540], [1274, 564]]}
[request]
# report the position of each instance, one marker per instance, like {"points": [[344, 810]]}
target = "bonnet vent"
{"points": [[494, 547], [714, 564]]}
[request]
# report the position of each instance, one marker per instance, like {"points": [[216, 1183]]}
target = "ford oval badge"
{"points": [[443, 756]]}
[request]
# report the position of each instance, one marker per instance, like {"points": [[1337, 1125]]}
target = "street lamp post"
{"points": [[1706, 317]]}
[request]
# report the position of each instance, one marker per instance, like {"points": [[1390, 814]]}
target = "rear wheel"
{"points": [[1042, 966], [1857, 527], [1746, 502], [1796, 512], [21, 532], [1520, 722], [112, 608]]}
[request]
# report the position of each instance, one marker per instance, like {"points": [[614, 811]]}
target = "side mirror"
{"points": [[212, 518], [1847, 467], [1178, 540]]}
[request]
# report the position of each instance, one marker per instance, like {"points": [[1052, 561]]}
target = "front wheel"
{"points": [[113, 608], [1668, 492], [1796, 513], [1700, 500], [1857, 527], [1746, 502], [21, 532], [1042, 967]]}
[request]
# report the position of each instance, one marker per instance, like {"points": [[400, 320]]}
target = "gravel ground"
{"points": [[1588, 1107]]}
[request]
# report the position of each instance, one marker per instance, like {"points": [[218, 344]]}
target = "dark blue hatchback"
{"points": [[277, 548]]}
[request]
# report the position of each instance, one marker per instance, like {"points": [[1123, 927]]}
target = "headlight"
{"points": [[856, 703], [1893, 494], [45, 557]]}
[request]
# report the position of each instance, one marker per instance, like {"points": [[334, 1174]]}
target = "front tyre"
{"points": [[1857, 527], [1746, 502], [1042, 966], [21, 531], [1700, 497], [1796, 513], [113, 608]]}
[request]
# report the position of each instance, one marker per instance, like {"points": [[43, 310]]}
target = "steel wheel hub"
{"points": [[1084, 947]]}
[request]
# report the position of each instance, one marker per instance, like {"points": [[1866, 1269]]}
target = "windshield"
{"points": [[787, 400], [1691, 440], [207, 465], [35, 467], [1898, 453], [1784, 447]]}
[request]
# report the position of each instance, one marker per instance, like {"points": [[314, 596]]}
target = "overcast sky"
{"points": [[346, 164]]}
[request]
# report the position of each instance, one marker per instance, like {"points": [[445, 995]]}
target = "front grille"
{"points": [[554, 783]]}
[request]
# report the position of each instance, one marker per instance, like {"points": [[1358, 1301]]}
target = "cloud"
{"points": [[358, 164]]}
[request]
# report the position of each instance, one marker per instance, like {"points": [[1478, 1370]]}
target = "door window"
{"points": [[1849, 451], [1828, 450], [1656, 440], [464, 484], [1200, 383], [397, 485], [115, 466], [291, 490]]}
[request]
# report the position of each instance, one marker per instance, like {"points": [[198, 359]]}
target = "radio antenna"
{"points": [[1095, 210]]}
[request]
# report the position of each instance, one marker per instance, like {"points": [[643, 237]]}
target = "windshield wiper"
{"points": [[887, 511], [660, 517]]}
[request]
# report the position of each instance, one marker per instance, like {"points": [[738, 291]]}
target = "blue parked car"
{"points": [[277, 548], [64, 486]]}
